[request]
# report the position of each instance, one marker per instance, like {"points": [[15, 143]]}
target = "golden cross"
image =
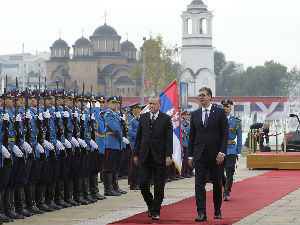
{"points": [[105, 17], [59, 33], [127, 35], [82, 31]]}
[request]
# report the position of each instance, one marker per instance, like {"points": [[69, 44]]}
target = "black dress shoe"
{"points": [[155, 216], [201, 217], [226, 198], [217, 215], [149, 212], [135, 187]]}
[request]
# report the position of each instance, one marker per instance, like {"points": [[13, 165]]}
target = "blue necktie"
{"points": [[206, 118]]}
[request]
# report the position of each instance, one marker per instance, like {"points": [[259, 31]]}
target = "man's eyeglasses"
{"points": [[202, 95]]}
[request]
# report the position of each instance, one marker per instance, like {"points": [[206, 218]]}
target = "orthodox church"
{"points": [[101, 61]]}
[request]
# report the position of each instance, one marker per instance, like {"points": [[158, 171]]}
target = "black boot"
{"points": [[85, 190], [3, 217], [30, 200], [50, 193], [227, 189], [40, 199], [69, 193], [94, 187], [116, 185], [108, 188], [78, 192], [20, 204], [9, 205], [59, 195]]}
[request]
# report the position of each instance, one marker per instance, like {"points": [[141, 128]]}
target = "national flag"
{"points": [[148, 83], [170, 106]]}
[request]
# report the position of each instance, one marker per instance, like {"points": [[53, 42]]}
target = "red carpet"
{"points": [[247, 197]]}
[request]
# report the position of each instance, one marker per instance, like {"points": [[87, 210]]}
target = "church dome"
{"points": [[83, 41], [106, 31], [60, 44], [197, 2], [127, 45]]}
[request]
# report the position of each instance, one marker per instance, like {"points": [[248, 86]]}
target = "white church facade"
{"points": [[197, 56]]}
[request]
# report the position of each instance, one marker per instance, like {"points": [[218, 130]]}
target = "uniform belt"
{"points": [[231, 141], [110, 132], [101, 135], [130, 137], [11, 139]]}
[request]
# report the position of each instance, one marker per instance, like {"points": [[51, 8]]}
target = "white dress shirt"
{"points": [[155, 115]]}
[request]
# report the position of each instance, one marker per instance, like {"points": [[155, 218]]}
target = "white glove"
{"points": [[60, 146], [75, 114], [88, 105], [57, 114], [28, 115], [48, 145], [5, 152], [40, 116], [239, 156], [92, 117], [18, 118], [82, 116], [74, 142], [125, 140], [66, 114], [97, 105], [82, 143], [39, 148], [67, 144], [27, 147], [6, 117], [17, 151], [47, 114], [123, 117], [93, 144]]}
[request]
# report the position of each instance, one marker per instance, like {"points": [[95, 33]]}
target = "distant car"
{"points": [[293, 138]]}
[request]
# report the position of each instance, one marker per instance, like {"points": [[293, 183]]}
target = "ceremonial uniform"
{"points": [[185, 130], [234, 149]]}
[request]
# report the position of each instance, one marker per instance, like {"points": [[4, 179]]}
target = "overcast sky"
{"points": [[247, 31]]}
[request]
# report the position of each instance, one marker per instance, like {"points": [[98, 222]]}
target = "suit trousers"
{"points": [[147, 170], [203, 165]]}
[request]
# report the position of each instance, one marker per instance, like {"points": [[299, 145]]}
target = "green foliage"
{"points": [[33, 74], [160, 69], [219, 62]]}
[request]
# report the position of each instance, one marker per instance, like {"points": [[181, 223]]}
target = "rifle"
{"points": [[47, 128], [74, 122], [40, 131], [5, 130], [123, 125], [82, 128], [91, 121], [17, 126], [65, 121], [27, 126], [58, 133]]}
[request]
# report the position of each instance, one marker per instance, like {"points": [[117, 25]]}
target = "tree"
{"points": [[159, 65], [219, 62], [33, 74], [266, 80], [291, 83]]}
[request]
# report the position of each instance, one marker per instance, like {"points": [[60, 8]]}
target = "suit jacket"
{"points": [[159, 141], [214, 136]]}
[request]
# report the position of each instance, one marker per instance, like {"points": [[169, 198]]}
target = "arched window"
{"points": [[98, 46], [189, 26], [203, 26], [105, 45], [113, 46]]}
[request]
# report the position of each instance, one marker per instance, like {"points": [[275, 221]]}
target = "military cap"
{"points": [[185, 112], [143, 106], [113, 99], [60, 92], [100, 98], [79, 97], [70, 95], [135, 105], [226, 102], [34, 92]]}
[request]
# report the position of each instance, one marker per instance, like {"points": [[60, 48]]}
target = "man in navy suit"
{"points": [[206, 150]]}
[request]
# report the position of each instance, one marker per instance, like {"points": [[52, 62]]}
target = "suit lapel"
{"points": [[200, 114], [211, 115]]}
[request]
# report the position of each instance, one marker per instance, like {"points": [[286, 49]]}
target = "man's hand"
{"points": [[136, 160], [168, 161], [191, 163], [220, 158]]}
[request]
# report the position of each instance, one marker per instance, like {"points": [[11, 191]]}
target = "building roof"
{"points": [[83, 41], [197, 2], [105, 31], [127, 45], [60, 44]]}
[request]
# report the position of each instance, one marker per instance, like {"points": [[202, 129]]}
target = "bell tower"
{"points": [[197, 56]]}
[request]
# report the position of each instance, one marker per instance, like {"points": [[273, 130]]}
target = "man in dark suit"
{"points": [[206, 150], [153, 151]]}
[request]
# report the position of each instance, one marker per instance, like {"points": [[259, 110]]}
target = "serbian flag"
{"points": [[170, 106]]}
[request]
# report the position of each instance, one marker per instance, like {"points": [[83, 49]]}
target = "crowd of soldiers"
{"points": [[54, 145]]}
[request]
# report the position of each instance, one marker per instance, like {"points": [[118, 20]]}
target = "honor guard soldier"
{"points": [[124, 159], [234, 147], [113, 146], [185, 130], [134, 117]]}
